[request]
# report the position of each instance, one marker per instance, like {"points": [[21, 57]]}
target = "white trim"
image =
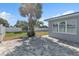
{"points": [[58, 26], [65, 33], [66, 30], [65, 25]]}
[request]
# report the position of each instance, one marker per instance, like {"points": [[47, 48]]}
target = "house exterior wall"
{"points": [[78, 28], [64, 36]]}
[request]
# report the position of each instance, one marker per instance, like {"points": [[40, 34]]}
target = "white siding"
{"points": [[72, 35]]}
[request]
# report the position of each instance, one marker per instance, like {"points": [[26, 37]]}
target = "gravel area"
{"points": [[43, 46]]}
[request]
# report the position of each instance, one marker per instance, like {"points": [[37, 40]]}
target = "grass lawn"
{"points": [[41, 33], [12, 35]]}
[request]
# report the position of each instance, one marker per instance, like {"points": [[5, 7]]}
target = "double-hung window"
{"points": [[62, 26], [67, 26], [55, 27], [71, 26]]}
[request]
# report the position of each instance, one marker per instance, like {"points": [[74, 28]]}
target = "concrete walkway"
{"points": [[62, 44]]}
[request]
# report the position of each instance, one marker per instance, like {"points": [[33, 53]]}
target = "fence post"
{"points": [[2, 32]]}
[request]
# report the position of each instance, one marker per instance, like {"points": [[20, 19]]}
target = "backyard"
{"points": [[21, 39]]}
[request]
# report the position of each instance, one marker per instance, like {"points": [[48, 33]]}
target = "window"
{"points": [[71, 26], [62, 27], [67, 26], [55, 27]]}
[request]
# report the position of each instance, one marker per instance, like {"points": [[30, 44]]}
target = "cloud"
{"points": [[57, 15], [6, 15], [43, 20], [66, 12], [9, 17]]}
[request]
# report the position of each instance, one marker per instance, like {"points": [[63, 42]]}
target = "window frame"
{"points": [[74, 26], [60, 24], [53, 27], [66, 28]]}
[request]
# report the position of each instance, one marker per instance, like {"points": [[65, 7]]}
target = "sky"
{"points": [[10, 11]]}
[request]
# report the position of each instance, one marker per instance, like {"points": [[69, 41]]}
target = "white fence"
{"points": [[41, 29], [7, 29], [13, 29], [2, 32]]}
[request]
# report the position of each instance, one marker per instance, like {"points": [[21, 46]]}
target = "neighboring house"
{"points": [[65, 27], [13, 29], [41, 29]]}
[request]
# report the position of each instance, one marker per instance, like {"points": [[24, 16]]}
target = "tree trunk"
{"points": [[31, 32]]}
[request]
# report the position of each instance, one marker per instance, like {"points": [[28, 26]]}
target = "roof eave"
{"points": [[63, 16]]}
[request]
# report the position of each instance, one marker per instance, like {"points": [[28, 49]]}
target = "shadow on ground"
{"points": [[39, 46], [75, 44]]}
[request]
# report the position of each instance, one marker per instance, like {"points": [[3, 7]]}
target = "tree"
{"points": [[44, 26], [4, 22], [38, 23], [22, 24], [33, 11]]}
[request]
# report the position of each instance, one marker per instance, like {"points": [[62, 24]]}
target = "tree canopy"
{"points": [[31, 8], [33, 11], [22, 24], [39, 24], [4, 22]]}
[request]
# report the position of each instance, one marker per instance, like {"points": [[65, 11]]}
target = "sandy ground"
{"points": [[8, 46], [38, 46]]}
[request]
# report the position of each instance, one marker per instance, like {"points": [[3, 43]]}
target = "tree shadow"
{"points": [[39, 46]]}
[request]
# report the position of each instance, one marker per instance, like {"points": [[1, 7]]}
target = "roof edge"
{"points": [[62, 16]]}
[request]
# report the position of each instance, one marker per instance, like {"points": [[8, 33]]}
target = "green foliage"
{"points": [[15, 32], [13, 35], [44, 26], [22, 24], [39, 10], [4, 22], [40, 24]]}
